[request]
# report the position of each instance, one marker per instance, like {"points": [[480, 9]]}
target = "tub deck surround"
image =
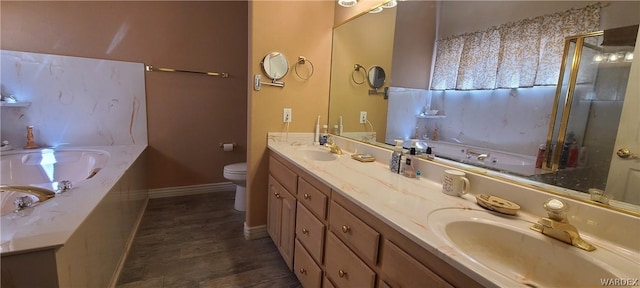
{"points": [[405, 203], [51, 223]]}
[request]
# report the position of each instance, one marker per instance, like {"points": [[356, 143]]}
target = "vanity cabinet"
{"points": [[281, 219], [331, 242]]}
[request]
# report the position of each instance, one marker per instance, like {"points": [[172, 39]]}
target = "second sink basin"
{"points": [[506, 247]]}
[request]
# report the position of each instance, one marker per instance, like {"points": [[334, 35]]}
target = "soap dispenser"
{"points": [[408, 169], [396, 157]]}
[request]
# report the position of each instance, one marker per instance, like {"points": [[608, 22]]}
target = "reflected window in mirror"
{"points": [[517, 54]]}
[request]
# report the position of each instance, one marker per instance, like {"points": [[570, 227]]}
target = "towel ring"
{"points": [[356, 69], [301, 61]]}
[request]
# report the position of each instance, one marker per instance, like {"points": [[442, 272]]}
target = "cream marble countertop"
{"points": [[403, 203], [51, 223]]}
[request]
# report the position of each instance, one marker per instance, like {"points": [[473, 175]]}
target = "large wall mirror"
{"points": [[510, 125]]}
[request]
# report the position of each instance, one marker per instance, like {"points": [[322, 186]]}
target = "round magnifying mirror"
{"points": [[376, 77], [275, 65]]}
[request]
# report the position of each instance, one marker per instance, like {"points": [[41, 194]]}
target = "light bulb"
{"points": [[347, 3], [598, 58], [613, 57], [628, 56]]}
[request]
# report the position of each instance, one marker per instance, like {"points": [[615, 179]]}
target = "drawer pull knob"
{"points": [[277, 195], [306, 196], [305, 231], [303, 271], [345, 229], [342, 274]]}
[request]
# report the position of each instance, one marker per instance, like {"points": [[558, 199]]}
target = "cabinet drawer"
{"points": [[326, 283], [310, 232], [307, 271], [344, 268], [402, 270], [312, 198], [284, 175], [354, 232]]}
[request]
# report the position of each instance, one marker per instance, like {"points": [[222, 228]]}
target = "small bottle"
{"points": [[564, 156], [435, 135], [336, 130], [396, 157], [418, 174], [429, 153], [573, 156], [324, 134], [540, 156]]}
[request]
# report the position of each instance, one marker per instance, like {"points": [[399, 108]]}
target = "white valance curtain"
{"points": [[525, 53]]}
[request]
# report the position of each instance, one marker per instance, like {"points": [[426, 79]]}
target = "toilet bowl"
{"points": [[237, 174]]}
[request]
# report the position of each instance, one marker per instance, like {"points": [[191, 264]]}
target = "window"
{"points": [[525, 53]]}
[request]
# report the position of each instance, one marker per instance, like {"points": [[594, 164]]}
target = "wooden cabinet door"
{"points": [[310, 233], [403, 271], [281, 219], [344, 268], [288, 227], [275, 208], [307, 271]]}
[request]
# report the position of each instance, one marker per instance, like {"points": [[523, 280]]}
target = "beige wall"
{"points": [[363, 41], [295, 28], [413, 44], [188, 115]]}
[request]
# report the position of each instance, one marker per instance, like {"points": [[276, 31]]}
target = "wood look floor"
{"points": [[198, 241]]}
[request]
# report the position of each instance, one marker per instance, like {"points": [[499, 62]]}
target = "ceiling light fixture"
{"points": [[347, 3], [376, 10], [390, 4]]}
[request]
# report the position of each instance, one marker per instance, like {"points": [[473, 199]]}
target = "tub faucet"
{"points": [[335, 149], [480, 156], [557, 226]]}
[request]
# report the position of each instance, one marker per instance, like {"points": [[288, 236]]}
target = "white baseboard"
{"points": [[255, 232], [191, 190]]}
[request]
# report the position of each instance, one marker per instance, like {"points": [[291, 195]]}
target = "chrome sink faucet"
{"points": [[557, 226], [335, 149]]}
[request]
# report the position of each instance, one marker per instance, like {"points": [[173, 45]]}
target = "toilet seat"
{"points": [[237, 169]]}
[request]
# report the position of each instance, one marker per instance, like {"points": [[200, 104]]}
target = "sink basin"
{"points": [[507, 249], [318, 155]]}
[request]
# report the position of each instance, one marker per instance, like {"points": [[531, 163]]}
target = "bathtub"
{"points": [[78, 237], [521, 165], [46, 168]]}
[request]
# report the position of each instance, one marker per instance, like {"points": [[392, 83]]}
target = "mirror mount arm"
{"points": [[385, 92], [257, 83]]}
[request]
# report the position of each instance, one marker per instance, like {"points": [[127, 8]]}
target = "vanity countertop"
{"points": [[401, 202]]}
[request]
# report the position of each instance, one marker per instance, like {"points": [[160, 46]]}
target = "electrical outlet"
{"points": [[363, 117], [286, 115]]}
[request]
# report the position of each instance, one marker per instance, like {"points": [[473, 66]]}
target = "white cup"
{"points": [[455, 183]]}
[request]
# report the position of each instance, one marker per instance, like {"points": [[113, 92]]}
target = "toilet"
{"points": [[237, 174]]}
